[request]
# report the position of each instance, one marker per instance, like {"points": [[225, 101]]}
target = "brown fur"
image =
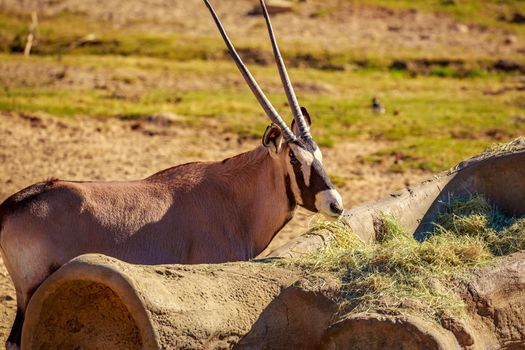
{"points": [[22, 198], [193, 213]]}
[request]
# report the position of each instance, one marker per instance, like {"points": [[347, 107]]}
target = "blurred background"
{"points": [[114, 89]]}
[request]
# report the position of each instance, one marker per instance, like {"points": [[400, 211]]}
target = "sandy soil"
{"points": [[35, 147]]}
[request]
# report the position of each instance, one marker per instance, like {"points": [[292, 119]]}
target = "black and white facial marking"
{"points": [[311, 185]]}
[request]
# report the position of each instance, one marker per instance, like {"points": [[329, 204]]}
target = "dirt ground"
{"points": [[36, 147]]}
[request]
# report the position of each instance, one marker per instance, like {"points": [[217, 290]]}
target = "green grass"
{"points": [[398, 273], [435, 117], [431, 122]]}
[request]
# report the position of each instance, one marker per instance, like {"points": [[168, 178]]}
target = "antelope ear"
{"points": [[306, 117], [273, 139]]}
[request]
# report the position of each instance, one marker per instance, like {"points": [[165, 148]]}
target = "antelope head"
{"points": [[292, 148]]}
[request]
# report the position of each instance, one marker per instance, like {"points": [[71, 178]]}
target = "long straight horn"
{"points": [[259, 94], [288, 88]]}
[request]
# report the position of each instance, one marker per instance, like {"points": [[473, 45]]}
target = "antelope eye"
{"points": [[293, 159]]}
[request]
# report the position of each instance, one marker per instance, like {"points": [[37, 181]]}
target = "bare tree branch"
{"points": [[32, 34]]}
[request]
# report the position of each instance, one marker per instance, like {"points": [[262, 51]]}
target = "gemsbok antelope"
{"points": [[204, 212]]}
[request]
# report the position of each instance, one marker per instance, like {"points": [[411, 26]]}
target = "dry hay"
{"points": [[397, 272]]}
